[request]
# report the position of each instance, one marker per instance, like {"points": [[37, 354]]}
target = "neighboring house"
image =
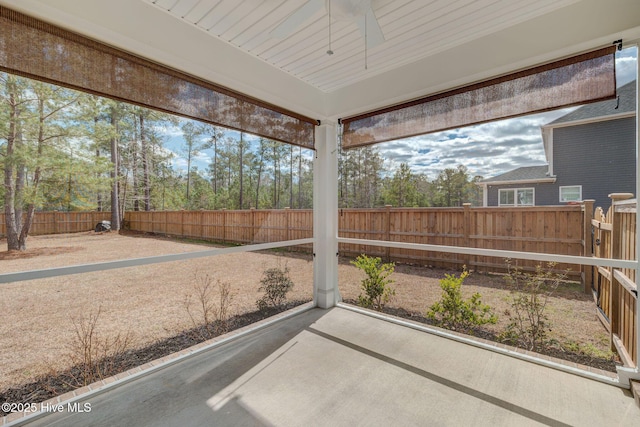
{"points": [[591, 153]]}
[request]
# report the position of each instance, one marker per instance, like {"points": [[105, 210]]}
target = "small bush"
{"points": [[454, 312], [530, 292], [275, 284], [377, 291], [209, 310], [95, 356]]}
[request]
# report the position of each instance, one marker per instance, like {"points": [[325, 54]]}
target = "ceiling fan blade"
{"points": [[297, 18], [375, 37]]}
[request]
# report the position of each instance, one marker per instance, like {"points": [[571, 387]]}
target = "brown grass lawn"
{"points": [[38, 316], [149, 301]]}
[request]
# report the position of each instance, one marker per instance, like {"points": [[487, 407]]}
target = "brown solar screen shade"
{"points": [[32, 48], [582, 79]]}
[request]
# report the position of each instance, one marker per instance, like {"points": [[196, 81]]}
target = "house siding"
{"points": [[599, 156]]}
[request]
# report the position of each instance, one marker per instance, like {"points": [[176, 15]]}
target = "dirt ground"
{"points": [[37, 325]]}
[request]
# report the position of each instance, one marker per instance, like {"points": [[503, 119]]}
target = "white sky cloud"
{"points": [[487, 150]]}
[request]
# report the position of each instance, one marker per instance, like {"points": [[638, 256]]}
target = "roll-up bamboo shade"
{"points": [[585, 78], [32, 48]]}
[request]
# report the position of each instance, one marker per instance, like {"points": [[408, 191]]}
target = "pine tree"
{"points": [[33, 113]]}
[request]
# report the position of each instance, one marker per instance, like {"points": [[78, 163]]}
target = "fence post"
{"points": [[182, 223], [287, 211], [253, 224], [387, 231], [587, 244], [202, 224], [224, 225], [467, 232]]}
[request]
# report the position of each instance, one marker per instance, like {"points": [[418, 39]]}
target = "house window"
{"points": [[516, 197], [570, 193]]}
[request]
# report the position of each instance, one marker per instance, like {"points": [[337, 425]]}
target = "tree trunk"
{"points": [[291, 176], [145, 166], [214, 172], [229, 161], [275, 176], [260, 164], [299, 177], [99, 195], [241, 155], [134, 167], [18, 198], [31, 209], [26, 226], [189, 178], [215, 167], [115, 205], [13, 219]]}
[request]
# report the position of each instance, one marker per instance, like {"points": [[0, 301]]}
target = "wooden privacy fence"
{"points": [[60, 222], [557, 229], [544, 229], [227, 226], [615, 290]]}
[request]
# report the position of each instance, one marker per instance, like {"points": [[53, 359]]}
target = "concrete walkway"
{"points": [[341, 368]]}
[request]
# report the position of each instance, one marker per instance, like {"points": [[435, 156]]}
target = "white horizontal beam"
{"points": [[535, 256], [134, 262]]}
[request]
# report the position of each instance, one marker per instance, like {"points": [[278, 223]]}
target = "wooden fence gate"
{"points": [[614, 289]]}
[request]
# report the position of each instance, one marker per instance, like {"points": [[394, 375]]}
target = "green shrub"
{"points": [[375, 286], [530, 292], [275, 284], [454, 312]]}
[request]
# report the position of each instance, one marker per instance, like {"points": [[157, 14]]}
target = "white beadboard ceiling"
{"points": [[413, 30], [430, 46]]}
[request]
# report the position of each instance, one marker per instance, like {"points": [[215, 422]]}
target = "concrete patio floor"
{"points": [[338, 367]]}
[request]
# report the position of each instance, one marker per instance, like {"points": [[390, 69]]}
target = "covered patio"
{"points": [[340, 367], [328, 364]]}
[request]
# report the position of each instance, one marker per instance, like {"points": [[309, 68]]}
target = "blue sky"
{"points": [[486, 150]]}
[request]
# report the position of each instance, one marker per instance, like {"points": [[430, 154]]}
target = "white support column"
{"points": [[325, 217]]}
